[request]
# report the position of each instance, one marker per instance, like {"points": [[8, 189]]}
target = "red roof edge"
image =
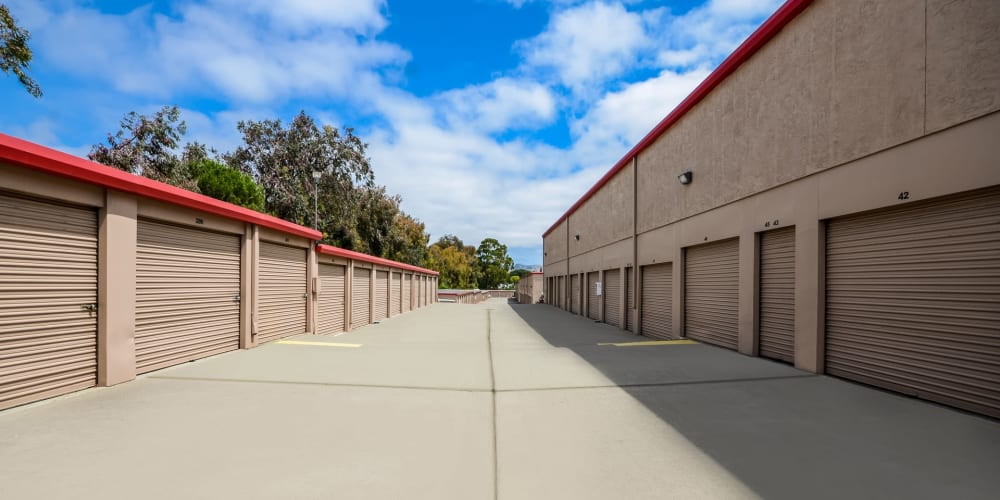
{"points": [[350, 254], [774, 24], [37, 157]]}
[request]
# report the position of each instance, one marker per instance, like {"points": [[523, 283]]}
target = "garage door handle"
{"points": [[236, 298], [89, 307]]}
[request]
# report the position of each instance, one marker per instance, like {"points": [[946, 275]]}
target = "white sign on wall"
{"points": [[597, 288]]}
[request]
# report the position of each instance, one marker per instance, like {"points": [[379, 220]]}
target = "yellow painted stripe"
{"points": [[321, 344], [651, 342]]}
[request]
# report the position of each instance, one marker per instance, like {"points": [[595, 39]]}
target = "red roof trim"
{"points": [[748, 48], [37, 157], [350, 254]]}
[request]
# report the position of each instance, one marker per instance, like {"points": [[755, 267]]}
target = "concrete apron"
{"points": [[491, 401]]}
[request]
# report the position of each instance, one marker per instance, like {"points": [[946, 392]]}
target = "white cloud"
{"points": [[707, 32], [501, 104], [587, 45]]}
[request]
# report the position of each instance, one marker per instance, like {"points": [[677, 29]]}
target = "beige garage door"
{"points": [[612, 297], [593, 300], [187, 285], [574, 297], [776, 315], [381, 295], [331, 306], [913, 300], [282, 302], [48, 277], [712, 276], [629, 298], [407, 291], [560, 293], [361, 297], [657, 297], [397, 293]]}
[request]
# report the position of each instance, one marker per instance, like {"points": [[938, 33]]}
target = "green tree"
{"points": [[227, 184], [15, 55], [452, 263], [147, 145], [408, 242], [519, 274], [493, 264]]}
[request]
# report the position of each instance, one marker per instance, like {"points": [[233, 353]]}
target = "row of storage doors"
{"points": [[393, 293], [912, 298], [187, 296]]}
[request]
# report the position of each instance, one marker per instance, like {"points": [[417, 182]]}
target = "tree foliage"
{"points": [[227, 184], [15, 55], [147, 146], [454, 260], [494, 265]]}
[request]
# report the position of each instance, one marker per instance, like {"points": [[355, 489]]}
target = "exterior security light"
{"points": [[577, 237], [686, 177]]}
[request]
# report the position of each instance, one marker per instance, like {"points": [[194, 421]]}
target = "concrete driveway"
{"points": [[492, 401]]}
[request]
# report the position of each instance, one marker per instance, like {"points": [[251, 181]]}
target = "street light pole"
{"points": [[316, 176]]}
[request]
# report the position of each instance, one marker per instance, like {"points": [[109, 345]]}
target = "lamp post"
{"points": [[316, 175]]}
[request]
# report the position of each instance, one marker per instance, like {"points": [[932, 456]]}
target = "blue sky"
{"points": [[489, 117]]}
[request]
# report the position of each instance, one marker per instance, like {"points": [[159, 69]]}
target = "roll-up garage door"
{"points": [[712, 277], [560, 293], [397, 293], [776, 320], [186, 287], [407, 289], [282, 299], [48, 280], [574, 297], [913, 299], [593, 300], [331, 307], [361, 297], [657, 297], [612, 297], [381, 295], [629, 298]]}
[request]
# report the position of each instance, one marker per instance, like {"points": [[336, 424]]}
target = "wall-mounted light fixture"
{"points": [[577, 237], [686, 178]]}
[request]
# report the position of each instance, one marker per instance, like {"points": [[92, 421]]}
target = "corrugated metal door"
{"points": [[594, 301], [712, 277], [657, 299], [282, 295], [381, 295], [361, 297], [186, 286], [331, 306], [612, 297], [776, 316], [407, 288], [561, 293], [397, 293], [913, 300], [574, 298], [629, 299], [48, 274]]}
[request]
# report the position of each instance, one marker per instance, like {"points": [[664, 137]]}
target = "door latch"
{"points": [[89, 307], [236, 298]]}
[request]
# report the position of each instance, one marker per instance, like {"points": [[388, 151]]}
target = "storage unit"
{"points": [[282, 292], [612, 297], [187, 296], [361, 283], [711, 308], [657, 299], [331, 306], [560, 292], [593, 300], [381, 295], [407, 292], [629, 299], [48, 283], [574, 297], [776, 313], [396, 285], [913, 299]]}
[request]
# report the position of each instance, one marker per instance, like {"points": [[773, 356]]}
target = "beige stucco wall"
{"points": [[838, 114], [605, 218]]}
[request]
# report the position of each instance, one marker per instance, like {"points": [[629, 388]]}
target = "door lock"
{"points": [[89, 307], [236, 298]]}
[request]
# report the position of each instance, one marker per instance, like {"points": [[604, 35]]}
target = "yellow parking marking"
{"points": [[321, 344], [650, 342]]}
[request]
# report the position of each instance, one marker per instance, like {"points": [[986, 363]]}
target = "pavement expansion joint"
{"points": [[649, 343], [323, 384]]}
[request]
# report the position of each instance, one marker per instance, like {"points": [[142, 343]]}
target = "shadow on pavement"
{"points": [[786, 433]]}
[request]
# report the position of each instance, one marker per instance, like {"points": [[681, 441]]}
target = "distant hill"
{"points": [[530, 267]]}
